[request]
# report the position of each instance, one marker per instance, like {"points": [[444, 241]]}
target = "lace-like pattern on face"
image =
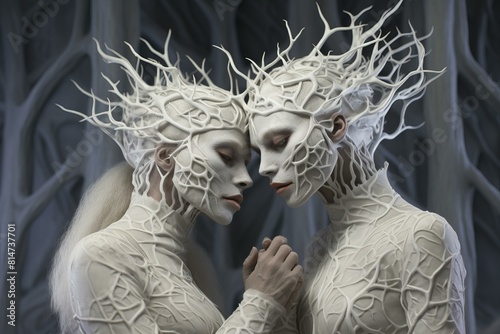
{"points": [[383, 266], [131, 277], [352, 84], [170, 111]]}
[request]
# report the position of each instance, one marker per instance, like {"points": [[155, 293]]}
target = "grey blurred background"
{"points": [[450, 165]]}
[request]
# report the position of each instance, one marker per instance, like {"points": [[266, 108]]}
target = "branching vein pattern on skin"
{"points": [[363, 88], [132, 276], [383, 265], [171, 111]]}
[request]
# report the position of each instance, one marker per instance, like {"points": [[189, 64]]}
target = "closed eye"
{"points": [[225, 157], [281, 141]]}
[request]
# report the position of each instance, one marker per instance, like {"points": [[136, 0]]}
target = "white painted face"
{"points": [[210, 172], [294, 152]]}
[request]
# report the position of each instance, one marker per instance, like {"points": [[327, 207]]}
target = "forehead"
{"points": [[265, 126], [295, 95], [279, 91], [203, 108], [222, 137]]}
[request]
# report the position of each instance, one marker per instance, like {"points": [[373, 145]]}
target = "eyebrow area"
{"points": [[235, 145], [283, 130]]}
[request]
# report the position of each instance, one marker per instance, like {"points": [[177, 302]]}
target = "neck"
{"points": [[363, 203], [353, 168], [166, 215], [161, 188], [167, 228]]}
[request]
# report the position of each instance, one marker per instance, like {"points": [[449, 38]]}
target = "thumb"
{"points": [[250, 263]]}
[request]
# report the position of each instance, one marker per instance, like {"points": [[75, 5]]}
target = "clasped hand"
{"points": [[275, 271]]}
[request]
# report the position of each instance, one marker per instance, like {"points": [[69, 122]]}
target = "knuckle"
{"points": [[267, 263], [263, 256], [283, 239], [273, 262]]}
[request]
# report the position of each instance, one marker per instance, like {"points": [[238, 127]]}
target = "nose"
{"points": [[267, 168], [243, 180]]}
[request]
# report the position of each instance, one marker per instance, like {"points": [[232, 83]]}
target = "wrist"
{"points": [[265, 299]]}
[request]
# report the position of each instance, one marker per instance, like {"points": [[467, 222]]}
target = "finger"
{"points": [[291, 260], [294, 296], [298, 271], [276, 244], [266, 243], [283, 252], [250, 263]]}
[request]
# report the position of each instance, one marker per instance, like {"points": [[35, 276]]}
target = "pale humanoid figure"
{"points": [[382, 265], [188, 146]]}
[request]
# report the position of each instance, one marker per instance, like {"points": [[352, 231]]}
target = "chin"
{"points": [[216, 212], [297, 200], [222, 218]]}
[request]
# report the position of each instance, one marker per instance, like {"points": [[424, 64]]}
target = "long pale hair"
{"points": [[102, 204]]}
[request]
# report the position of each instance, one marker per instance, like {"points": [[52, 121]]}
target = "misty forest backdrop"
{"points": [[450, 165]]}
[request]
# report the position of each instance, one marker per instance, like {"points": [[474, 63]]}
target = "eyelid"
{"points": [[279, 138], [225, 152]]}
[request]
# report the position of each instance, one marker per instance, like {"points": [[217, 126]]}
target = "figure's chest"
{"points": [[355, 285], [172, 298], [178, 305]]}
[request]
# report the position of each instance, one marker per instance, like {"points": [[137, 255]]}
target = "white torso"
{"points": [[132, 278], [382, 266]]}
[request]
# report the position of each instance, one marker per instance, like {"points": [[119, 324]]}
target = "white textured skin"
{"points": [[132, 277], [171, 111], [382, 266]]}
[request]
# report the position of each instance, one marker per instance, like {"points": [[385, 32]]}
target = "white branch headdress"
{"points": [[362, 83], [169, 111]]}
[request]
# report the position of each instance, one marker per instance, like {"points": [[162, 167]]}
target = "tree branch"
{"points": [[485, 188], [469, 67]]}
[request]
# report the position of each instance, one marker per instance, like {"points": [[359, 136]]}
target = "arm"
{"points": [[287, 292], [106, 296], [256, 313], [433, 278], [287, 323]]}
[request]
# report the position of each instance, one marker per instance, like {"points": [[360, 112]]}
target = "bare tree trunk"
{"points": [[48, 159], [24, 196], [447, 194], [453, 177]]}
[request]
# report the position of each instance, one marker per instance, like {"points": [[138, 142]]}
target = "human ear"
{"points": [[163, 158], [339, 128]]}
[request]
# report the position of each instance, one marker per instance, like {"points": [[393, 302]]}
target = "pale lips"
{"points": [[234, 201], [280, 187]]}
